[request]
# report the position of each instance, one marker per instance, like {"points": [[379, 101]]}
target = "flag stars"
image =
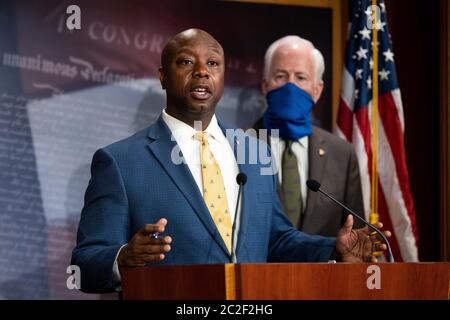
{"points": [[388, 55], [365, 33], [358, 74], [369, 82], [371, 63], [384, 74], [381, 25], [356, 94], [361, 53]]}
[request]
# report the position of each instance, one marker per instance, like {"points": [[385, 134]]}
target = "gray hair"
{"points": [[319, 64]]}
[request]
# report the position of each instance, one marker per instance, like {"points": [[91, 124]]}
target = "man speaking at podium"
{"points": [[144, 206]]}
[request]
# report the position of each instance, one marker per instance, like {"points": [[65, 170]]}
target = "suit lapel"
{"points": [[161, 146], [317, 154]]}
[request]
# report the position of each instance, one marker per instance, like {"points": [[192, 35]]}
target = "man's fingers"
{"points": [[162, 222], [151, 228], [138, 256], [349, 221], [142, 260], [126, 258], [151, 249], [379, 225], [374, 237], [147, 240], [153, 257], [162, 240], [380, 247], [348, 225]]}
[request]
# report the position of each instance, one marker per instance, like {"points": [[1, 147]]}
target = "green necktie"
{"points": [[290, 185]]}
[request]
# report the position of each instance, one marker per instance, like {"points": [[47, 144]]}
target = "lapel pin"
{"points": [[321, 152]]}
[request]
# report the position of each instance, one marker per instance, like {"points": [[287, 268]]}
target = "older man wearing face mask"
{"points": [[292, 83]]}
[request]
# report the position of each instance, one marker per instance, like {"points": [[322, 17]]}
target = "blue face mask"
{"points": [[289, 110]]}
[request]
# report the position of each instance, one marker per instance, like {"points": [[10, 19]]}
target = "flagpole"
{"points": [[360, 120], [374, 217]]}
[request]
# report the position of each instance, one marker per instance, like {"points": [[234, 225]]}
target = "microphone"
{"points": [[313, 185], [241, 180]]}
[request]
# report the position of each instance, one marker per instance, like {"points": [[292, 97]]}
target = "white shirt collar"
{"points": [[304, 141], [182, 131]]}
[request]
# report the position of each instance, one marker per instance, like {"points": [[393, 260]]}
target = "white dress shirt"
{"points": [[300, 149], [183, 134]]}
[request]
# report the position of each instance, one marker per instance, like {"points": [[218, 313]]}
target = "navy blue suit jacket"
{"points": [[134, 182]]}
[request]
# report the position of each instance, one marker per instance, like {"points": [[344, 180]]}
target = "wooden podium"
{"points": [[289, 281]]}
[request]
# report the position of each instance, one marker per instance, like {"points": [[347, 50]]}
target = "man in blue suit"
{"points": [[154, 182]]}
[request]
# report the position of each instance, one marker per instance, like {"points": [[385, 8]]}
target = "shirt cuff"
{"points": [[117, 280]]}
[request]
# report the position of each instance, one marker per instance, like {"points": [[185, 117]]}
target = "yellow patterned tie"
{"points": [[214, 190]]}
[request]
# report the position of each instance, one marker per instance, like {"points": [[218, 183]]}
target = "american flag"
{"points": [[354, 124]]}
